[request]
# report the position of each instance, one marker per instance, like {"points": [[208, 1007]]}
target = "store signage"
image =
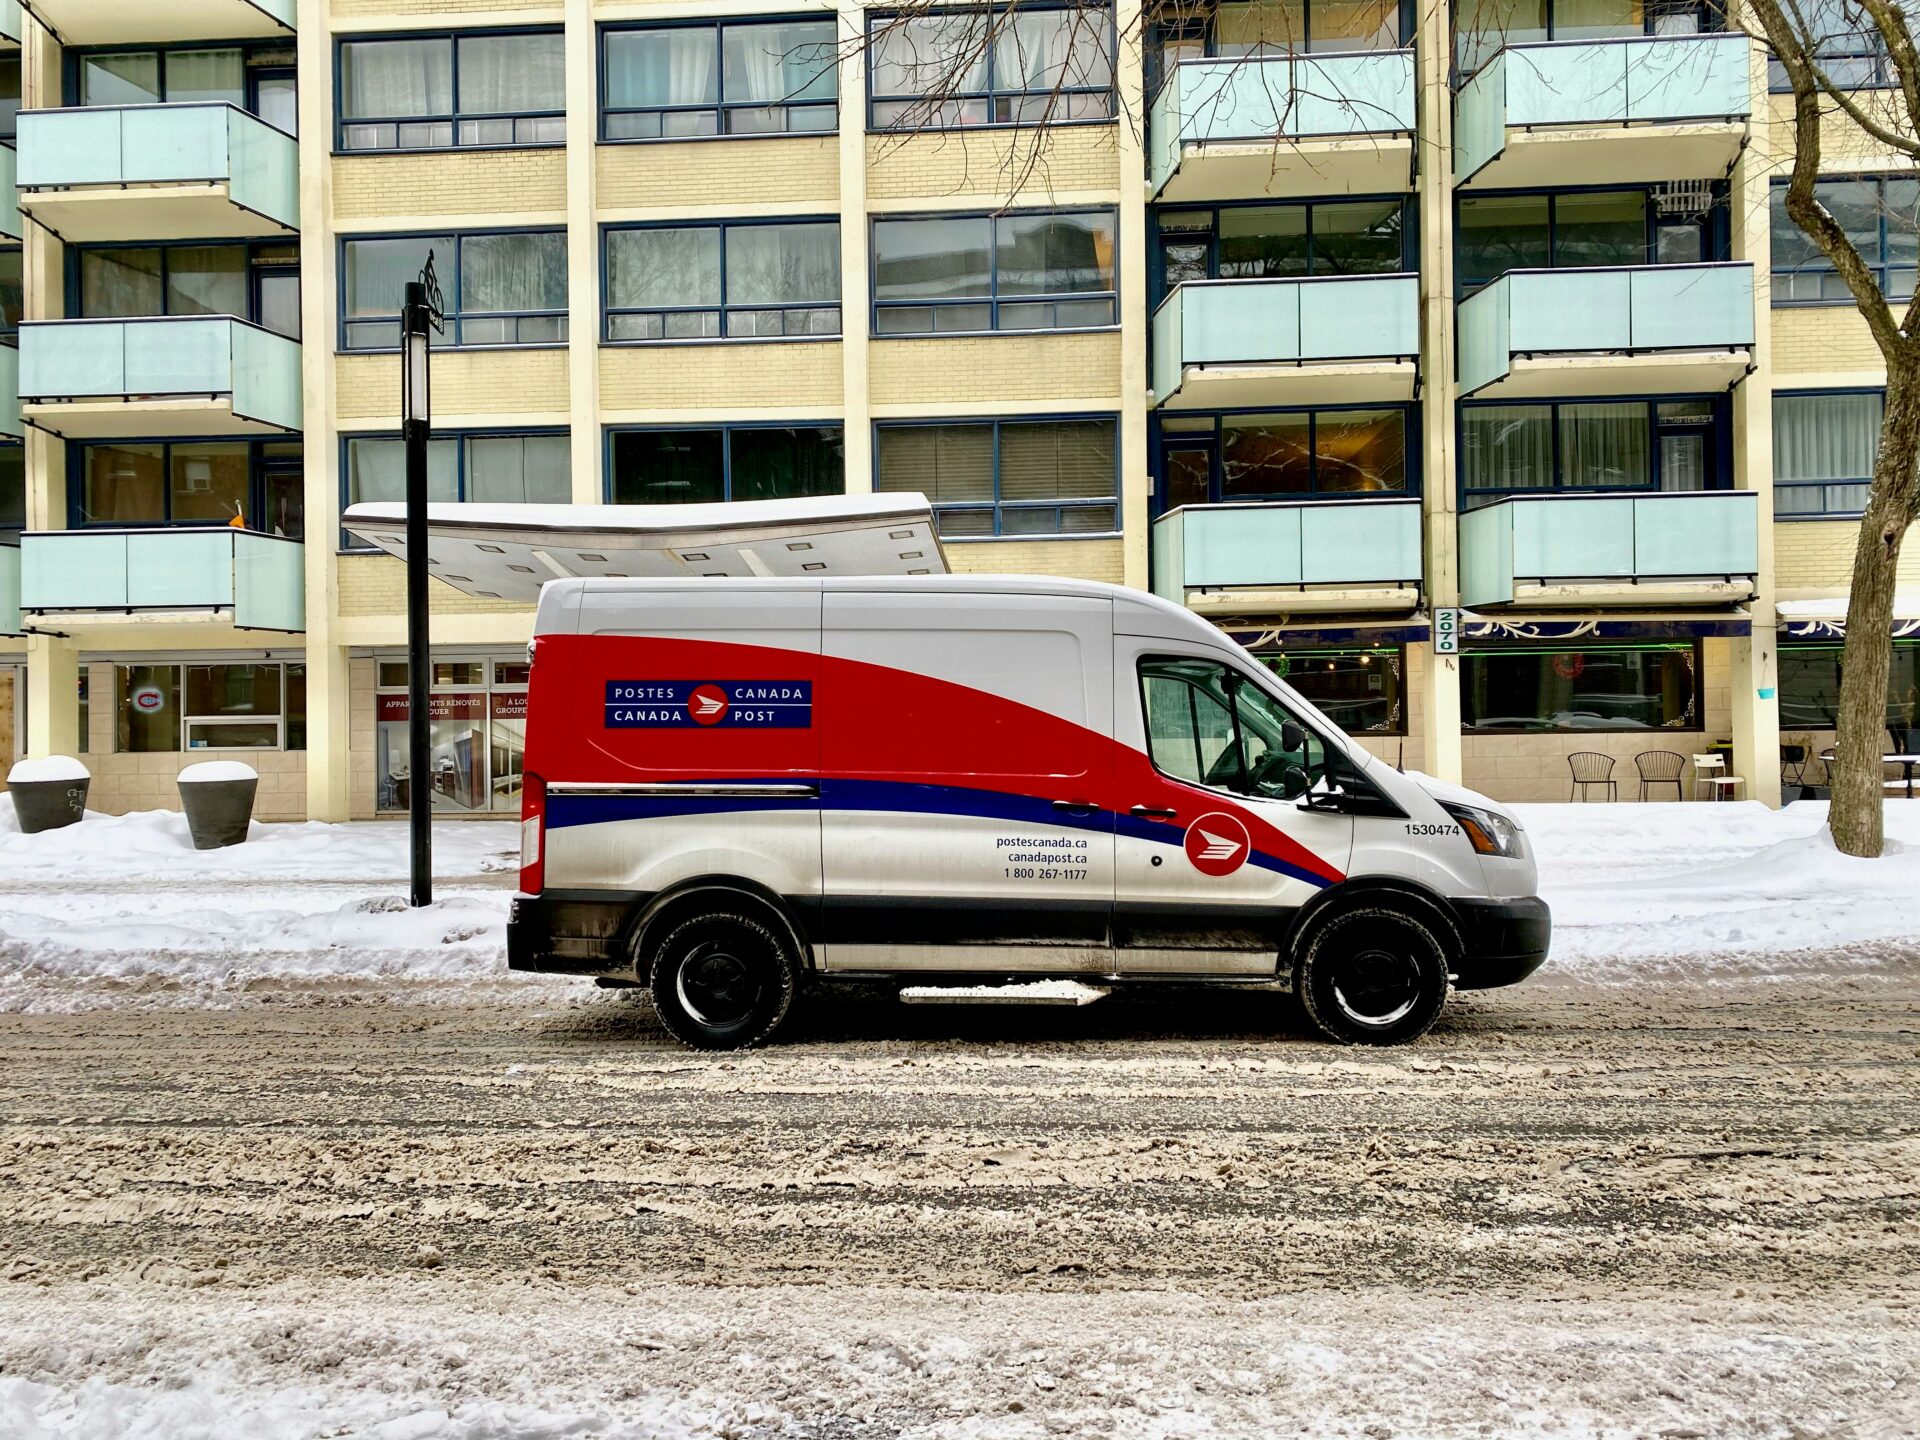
{"points": [[509, 705], [1446, 631], [471, 705], [149, 700]]}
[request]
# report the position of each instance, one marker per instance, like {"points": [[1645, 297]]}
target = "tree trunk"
{"points": [[1857, 788]]}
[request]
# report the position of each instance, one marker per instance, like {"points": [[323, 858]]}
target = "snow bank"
{"points": [[1721, 889], [47, 767], [212, 772]]}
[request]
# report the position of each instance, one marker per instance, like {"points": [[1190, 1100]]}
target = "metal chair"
{"points": [[1793, 764], [1710, 770], [1591, 768], [1660, 767]]}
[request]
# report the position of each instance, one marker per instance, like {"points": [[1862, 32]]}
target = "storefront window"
{"points": [[477, 727], [213, 706], [1810, 687], [1361, 691], [1611, 688]]}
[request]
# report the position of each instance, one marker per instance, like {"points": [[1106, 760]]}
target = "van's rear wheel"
{"points": [[721, 981], [1373, 977]]}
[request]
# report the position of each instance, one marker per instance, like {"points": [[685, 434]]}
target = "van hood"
{"points": [[1460, 795]]}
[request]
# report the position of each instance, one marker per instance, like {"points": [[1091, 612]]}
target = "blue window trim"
{"points": [[1872, 49], [72, 56], [996, 506], [992, 299], [341, 120], [1816, 517], [448, 269], [165, 248], [1878, 263], [74, 462], [608, 311], [1159, 439], [1156, 257], [992, 95], [726, 428], [462, 434], [1720, 423], [720, 106]]}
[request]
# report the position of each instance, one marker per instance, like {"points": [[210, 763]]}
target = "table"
{"points": [[1905, 762]]}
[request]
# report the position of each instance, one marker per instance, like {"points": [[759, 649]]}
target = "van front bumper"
{"points": [[1503, 941]]}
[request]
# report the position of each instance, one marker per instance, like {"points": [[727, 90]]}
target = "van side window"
{"points": [[1209, 725]]}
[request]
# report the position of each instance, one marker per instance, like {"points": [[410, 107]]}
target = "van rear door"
{"points": [[965, 760]]}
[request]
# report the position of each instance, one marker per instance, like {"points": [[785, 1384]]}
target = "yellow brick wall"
{"points": [[465, 383], [930, 373], [1070, 559], [784, 376], [1818, 555], [377, 585], [1843, 143], [740, 174], [992, 164], [448, 182], [1822, 338]]}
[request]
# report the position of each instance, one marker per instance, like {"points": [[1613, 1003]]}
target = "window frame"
{"points": [[72, 57], [1879, 265], [448, 339], [720, 106], [1330, 751], [608, 310], [249, 249], [1696, 709], [184, 722], [1716, 238], [1722, 453], [726, 429], [1873, 49], [992, 298], [461, 435], [341, 120], [1411, 413], [996, 506], [258, 463], [1158, 289], [1712, 22], [486, 688], [1823, 514], [992, 95]]}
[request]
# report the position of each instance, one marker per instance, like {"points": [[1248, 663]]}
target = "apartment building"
{"points": [[1319, 319]]}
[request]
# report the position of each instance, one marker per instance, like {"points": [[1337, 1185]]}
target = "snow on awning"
{"points": [[1826, 618], [507, 552]]}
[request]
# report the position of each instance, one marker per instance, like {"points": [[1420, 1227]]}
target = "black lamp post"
{"points": [[420, 310]]}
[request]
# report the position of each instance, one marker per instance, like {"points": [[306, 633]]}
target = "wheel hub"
{"points": [[715, 987], [1377, 988]]}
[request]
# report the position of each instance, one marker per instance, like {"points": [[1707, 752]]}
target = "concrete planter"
{"points": [[218, 800], [48, 794]]}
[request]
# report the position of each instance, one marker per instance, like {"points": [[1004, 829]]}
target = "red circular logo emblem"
{"points": [[1218, 844], [707, 704]]}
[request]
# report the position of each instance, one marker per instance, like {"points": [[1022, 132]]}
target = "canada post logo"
{"points": [[709, 704]]}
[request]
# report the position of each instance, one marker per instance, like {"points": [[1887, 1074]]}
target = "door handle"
{"points": [[1076, 807], [1152, 812]]}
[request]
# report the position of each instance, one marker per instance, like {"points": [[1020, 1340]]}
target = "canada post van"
{"points": [[735, 787]]}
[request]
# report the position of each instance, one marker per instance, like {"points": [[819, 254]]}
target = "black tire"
{"points": [[1372, 976], [721, 980]]}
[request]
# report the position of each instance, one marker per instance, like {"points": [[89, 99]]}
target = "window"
{"points": [[1260, 242], [9, 95], [1810, 686], [733, 281], [1050, 270], [1482, 27], [1498, 233], [1361, 691], [1638, 687], [13, 489], [1209, 725], [1601, 445], [1881, 218], [477, 733], [1294, 26], [1848, 46], [12, 296], [488, 466], [131, 282], [1823, 452], [743, 462], [469, 90], [506, 288], [189, 482], [223, 706], [1007, 65], [1007, 477], [742, 77], [162, 76]]}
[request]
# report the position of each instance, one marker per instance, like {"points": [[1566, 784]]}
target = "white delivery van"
{"points": [[738, 786]]}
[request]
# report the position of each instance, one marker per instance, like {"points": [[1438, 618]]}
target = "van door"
{"points": [[1215, 851], [966, 744]]}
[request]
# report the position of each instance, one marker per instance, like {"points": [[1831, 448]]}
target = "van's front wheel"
{"points": [[1373, 977], [721, 981]]}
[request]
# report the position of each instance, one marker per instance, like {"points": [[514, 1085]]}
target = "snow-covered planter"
{"points": [[48, 793], [218, 798]]}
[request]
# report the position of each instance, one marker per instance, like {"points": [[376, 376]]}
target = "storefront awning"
{"points": [[1826, 619], [507, 552]]}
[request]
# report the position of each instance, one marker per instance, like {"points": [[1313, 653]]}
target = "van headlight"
{"points": [[1490, 834]]}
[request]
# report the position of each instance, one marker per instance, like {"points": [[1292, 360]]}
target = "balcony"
{"points": [[1639, 108], [10, 585], [1248, 128], [258, 582], [1627, 330], [11, 426], [178, 375], [106, 22], [1290, 557], [1224, 344], [158, 172], [1697, 547]]}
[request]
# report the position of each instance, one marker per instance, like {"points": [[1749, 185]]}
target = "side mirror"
{"points": [[1292, 738], [1295, 781]]}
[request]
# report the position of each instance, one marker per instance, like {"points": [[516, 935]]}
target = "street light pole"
{"points": [[416, 415]]}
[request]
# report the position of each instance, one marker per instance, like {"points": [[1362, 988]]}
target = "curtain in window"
{"points": [[377, 470], [396, 78], [943, 53], [649, 268], [1481, 27], [1507, 447], [1042, 51], [126, 484], [1057, 460], [512, 74], [207, 280], [662, 67], [1825, 437], [208, 483], [519, 469], [1247, 29], [779, 64], [206, 75], [783, 264], [130, 79], [1604, 445], [1355, 25], [513, 273], [120, 283], [949, 464]]}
